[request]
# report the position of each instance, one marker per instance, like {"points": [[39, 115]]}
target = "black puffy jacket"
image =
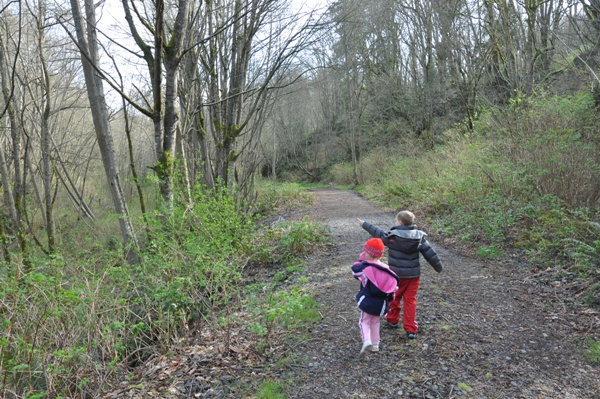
{"points": [[405, 243]]}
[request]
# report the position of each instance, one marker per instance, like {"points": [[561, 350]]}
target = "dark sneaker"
{"points": [[391, 325], [411, 335]]}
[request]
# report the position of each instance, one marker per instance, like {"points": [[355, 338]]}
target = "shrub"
{"points": [[273, 198], [57, 331], [290, 309], [342, 174], [70, 322], [549, 140], [526, 178], [283, 241]]}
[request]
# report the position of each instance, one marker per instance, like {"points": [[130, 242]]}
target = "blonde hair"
{"points": [[405, 218]]}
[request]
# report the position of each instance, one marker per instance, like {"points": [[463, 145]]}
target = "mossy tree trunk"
{"points": [[16, 195], [166, 53]]}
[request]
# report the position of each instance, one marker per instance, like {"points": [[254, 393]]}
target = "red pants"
{"points": [[407, 291]]}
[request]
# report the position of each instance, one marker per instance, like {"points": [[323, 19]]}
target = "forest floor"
{"points": [[488, 329]]}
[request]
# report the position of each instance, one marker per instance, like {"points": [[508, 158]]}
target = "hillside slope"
{"points": [[487, 330]]}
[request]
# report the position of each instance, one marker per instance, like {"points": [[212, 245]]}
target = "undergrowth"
{"points": [[525, 179], [78, 321], [276, 198]]}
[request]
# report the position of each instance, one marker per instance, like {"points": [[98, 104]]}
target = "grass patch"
{"points": [[592, 350], [276, 312], [271, 390], [285, 242], [490, 252]]}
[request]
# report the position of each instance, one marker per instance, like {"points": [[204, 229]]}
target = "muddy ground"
{"points": [[487, 330]]}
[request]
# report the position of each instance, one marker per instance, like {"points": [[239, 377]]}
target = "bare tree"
{"points": [[7, 190], [16, 196], [168, 37], [247, 50], [88, 47], [38, 13]]}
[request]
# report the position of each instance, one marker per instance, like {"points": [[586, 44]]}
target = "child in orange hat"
{"points": [[377, 286]]}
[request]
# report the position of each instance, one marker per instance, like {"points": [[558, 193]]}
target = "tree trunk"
{"points": [[172, 56], [45, 136], [89, 58], [9, 201], [18, 194]]}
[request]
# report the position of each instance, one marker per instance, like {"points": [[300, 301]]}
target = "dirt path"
{"points": [[487, 330]]}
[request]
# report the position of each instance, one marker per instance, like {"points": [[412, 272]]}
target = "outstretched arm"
{"points": [[373, 230]]}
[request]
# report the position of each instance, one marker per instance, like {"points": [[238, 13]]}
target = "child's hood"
{"points": [[405, 238], [386, 280]]}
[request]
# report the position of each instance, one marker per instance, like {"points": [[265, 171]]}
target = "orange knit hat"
{"points": [[374, 247]]}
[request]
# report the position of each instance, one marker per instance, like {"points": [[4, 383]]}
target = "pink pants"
{"points": [[407, 291], [369, 327]]}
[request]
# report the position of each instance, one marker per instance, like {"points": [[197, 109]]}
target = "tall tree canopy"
{"points": [[215, 92]]}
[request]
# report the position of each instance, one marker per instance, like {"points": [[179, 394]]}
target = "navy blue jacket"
{"points": [[374, 295], [405, 243]]}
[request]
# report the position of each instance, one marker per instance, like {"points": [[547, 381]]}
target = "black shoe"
{"points": [[411, 335], [391, 325]]}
